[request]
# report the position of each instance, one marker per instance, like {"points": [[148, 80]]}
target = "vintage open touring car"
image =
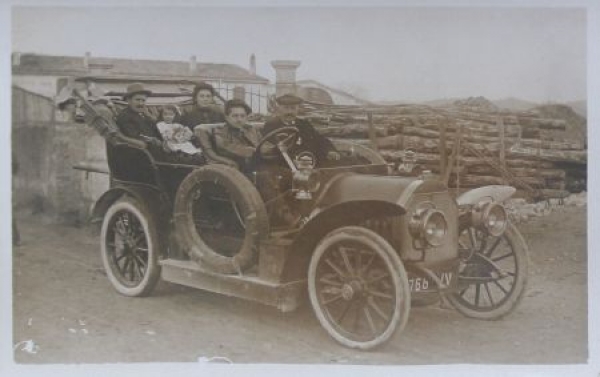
{"points": [[364, 245]]}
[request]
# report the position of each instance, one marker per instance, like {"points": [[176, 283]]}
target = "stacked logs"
{"points": [[496, 147]]}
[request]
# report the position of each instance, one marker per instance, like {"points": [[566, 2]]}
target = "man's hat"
{"points": [[136, 88], [289, 99], [237, 103]]}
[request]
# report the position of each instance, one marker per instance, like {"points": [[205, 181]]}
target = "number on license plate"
{"points": [[419, 284]]}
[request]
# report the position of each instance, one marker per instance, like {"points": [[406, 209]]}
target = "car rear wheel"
{"points": [[492, 275], [129, 246], [358, 287]]}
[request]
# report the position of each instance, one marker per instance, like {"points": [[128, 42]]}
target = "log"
{"points": [[554, 193], [544, 124], [426, 145], [546, 144], [484, 180], [524, 163], [352, 131], [475, 134], [556, 174], [549, 154], [555, 184], [468, 161], [523, 172]]}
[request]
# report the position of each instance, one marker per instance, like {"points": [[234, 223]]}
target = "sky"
{"points": [[393, 54]]}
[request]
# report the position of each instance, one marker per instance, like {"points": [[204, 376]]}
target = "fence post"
{"points": [[372, 134], [502, 133], [443, 153]]}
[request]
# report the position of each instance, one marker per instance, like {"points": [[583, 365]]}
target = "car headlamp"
{"points": [[429, 225], [490, 217]]}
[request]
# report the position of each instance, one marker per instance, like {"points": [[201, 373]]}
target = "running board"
{"points": [[285, 297]]}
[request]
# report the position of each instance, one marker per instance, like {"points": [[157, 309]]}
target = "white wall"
{"points": [[44, 85]]}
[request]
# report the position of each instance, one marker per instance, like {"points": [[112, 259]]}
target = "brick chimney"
{"points": [[285, 76], [253, 64], [86, 60], [193, 64]]}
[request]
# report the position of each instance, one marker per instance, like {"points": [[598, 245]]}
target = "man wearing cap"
{"points": [[135, 121], [204, 111], [309, 139]]}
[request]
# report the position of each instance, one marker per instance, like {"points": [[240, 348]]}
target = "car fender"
{"points": [[352, 199], [145, 195], [498, 193], [349, 213]]}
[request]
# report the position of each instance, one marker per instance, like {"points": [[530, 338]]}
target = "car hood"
{"points": [[361, 187]]}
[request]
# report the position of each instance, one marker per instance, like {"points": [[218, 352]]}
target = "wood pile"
{"points": [[496, 147]]}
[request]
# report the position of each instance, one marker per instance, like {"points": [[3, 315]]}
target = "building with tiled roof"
{"points": [[47, 74]]}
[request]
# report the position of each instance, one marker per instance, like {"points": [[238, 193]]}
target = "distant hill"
{"points": [[509, 103], [476, 103], [441, 102]]}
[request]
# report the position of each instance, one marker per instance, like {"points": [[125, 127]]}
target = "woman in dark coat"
{"points": [[204, 111]]}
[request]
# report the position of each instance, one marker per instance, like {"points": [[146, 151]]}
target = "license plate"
{"points": [[426, 284]]}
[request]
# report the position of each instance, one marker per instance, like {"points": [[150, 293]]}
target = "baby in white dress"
{"points": [[177, 136]]}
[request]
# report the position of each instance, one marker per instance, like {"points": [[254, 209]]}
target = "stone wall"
{"points": [[46, 181], [46, 150]]}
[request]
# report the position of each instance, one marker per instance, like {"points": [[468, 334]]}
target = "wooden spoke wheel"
{"points": [[492, 275], [129, 247], [358, 287]]}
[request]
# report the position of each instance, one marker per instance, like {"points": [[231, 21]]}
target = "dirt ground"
{"points": [[65, 305]]}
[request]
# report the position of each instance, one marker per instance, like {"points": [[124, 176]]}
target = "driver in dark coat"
{"points": [[309, 139]]}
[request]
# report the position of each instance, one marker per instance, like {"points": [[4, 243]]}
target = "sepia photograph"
{"points": [[294, 185]]}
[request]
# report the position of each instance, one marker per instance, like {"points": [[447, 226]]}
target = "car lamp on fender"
{"points": [[490, 217], [429, 225]]}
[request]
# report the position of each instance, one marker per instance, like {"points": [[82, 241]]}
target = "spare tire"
{"points": [[220, 218]]}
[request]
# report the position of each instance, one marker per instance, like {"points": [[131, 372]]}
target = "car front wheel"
{"points": [[492, 275], [358, 287]]}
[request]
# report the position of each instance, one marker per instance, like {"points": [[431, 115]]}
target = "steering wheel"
{"points": [[281, 139]]}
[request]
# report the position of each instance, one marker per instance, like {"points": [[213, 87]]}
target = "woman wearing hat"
{"points": [[205, 111]]}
